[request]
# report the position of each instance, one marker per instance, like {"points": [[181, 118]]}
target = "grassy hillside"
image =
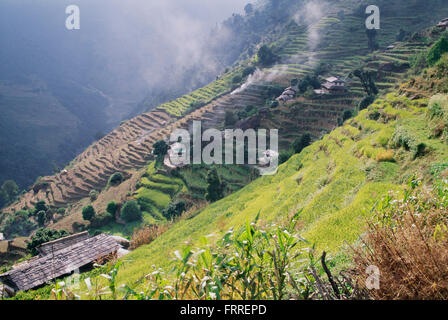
{"points": [[335, 181]]}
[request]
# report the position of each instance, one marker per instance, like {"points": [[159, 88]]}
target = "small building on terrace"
{"points": [[176, 156], [334, 85], [60, 258]]}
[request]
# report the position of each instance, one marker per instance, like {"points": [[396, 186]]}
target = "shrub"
{"points": [[301, 143], [215, 188], [175, 209], [131, 211], [61, 211], [78, 226], [101, 220], [347, 115], [237, 79], [418, 62], [112, 207], [438, 106], [88, 213], [408, 242], [266, 56], [248, 71], [18, 225], [116, 179], [402, 138], [365, 102], [437, 50], [40, 206], [230, 118], [441, 67], [41, 218], [93, 195], [274, 104], [43, 236], [284, 156]]}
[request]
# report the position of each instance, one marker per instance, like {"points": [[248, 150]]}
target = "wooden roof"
{"points": [[58, 244], [62, 262]]}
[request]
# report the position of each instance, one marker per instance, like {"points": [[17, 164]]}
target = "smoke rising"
{"points": [[310, 15], [260, 76]]}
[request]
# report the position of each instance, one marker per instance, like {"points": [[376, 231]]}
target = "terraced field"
{"points": [[127, 147], [317, 116], [155, 192]]}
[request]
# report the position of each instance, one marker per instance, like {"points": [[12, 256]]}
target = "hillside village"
{"points": [[353, 127]]}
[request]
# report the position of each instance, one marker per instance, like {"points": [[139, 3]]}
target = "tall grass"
{"points": [[408, 242]]}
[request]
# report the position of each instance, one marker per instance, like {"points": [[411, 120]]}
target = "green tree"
{"points": [[372, 42], [41, 218], [309, 83], [284, 156], [274, 104], [347, 115], [301, 143], [248, 71], [160, 150], [131, 211], [40, 206], [175, 209], [365, 102], [10, 190], [367, 79], [230, 119], [237, 79], [215, 188], [437, 50], [88, 213], [266, 56], [116, 179], [3, 199], [43, 236], [112, 207], [294, 82]]}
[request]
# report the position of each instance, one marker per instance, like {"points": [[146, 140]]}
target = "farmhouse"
{"points": [[60, 258], [334, 85], [267, 158], [288, 94], [176, 157]]}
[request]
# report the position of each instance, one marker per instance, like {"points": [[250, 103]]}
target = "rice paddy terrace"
{"points": [[129, 146]]}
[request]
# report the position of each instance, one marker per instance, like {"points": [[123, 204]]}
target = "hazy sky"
{"points": [[123, 46]]}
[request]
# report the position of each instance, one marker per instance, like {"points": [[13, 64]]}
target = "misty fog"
{"points": [[61, 89], [123, 48]]}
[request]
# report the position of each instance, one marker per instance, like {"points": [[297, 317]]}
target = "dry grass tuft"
{"points": [[146, 235], [409, 245], [385, 156]]}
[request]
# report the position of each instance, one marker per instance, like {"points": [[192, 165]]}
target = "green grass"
{"points": [[153, 196], [330, 181]]}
